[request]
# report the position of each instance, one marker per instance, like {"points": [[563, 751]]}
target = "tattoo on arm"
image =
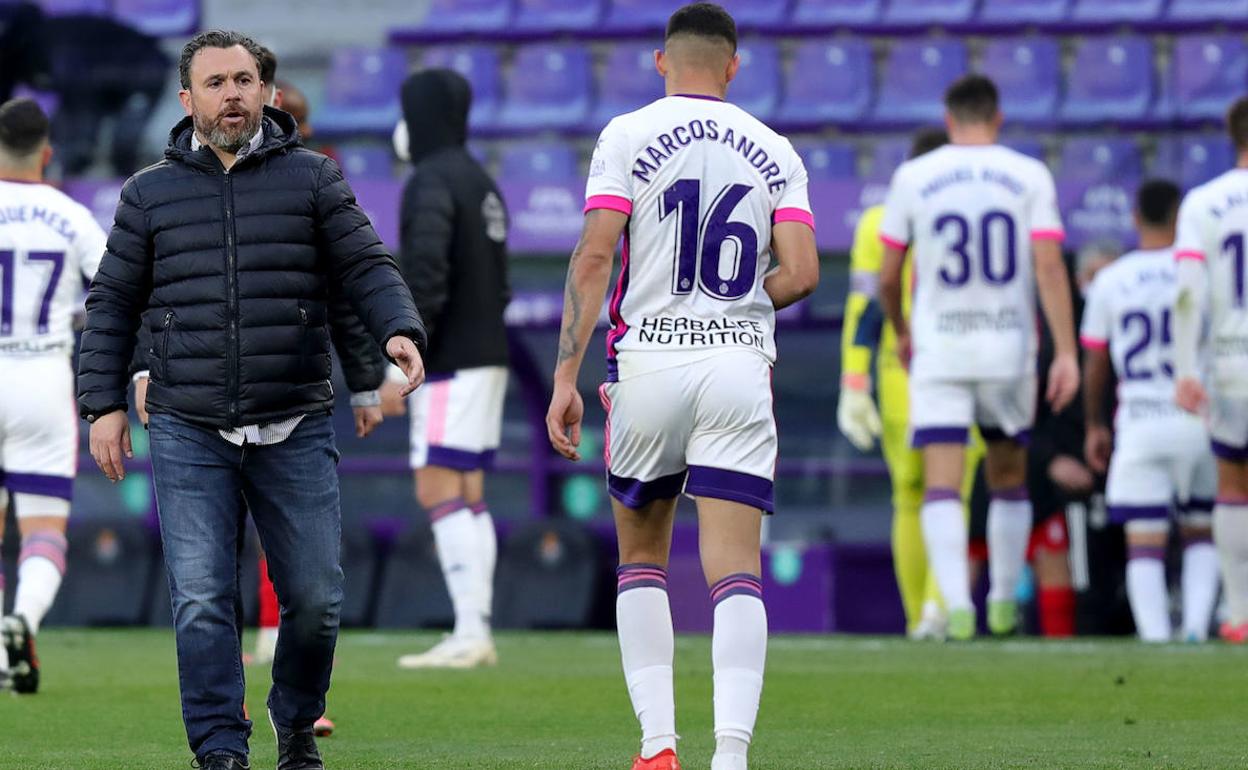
{"points": [[569, 346]]}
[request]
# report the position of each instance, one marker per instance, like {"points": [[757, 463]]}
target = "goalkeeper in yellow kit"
{"points": [[865, 333]]}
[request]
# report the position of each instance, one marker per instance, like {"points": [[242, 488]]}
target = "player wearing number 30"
{"points": [[985, 229], [1209, 247], [50, 247], [703, 195]]}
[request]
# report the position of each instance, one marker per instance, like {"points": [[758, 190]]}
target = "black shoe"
{"points": [[297, 751], [23, 662], [221, 760]]}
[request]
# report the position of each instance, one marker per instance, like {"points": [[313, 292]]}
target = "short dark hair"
{"points": [[1157, 202], [972, 99], [1237, 123], [23, 127], [927, 139], [215, 38], [703, 20], [268, 65]]}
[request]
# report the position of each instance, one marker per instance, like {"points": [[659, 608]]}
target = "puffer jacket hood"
{"points": [[435, 108], [281, 132]]}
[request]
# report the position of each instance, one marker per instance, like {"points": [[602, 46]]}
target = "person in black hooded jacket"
{"points": [[453, 233], [233, 241]]}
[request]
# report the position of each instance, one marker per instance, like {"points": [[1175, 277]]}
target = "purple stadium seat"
{"points": [[549, 86], [637, 15], [557, 15], [1205, 11], [1029, 146], [924, 12], [756, 88], [1093, 159], [479, 64], [858, 13], [461, 16], [1193, 159], [366, 161], [1116, 11], [752, 14], [362, 91], [914, 79], [538, 161], [829, 160], [159, 18], [1208, 73], [1017, 12], [73, 7], [628, 82], [1027, 72], [886, 155], [830, 82], [1112, 79]]}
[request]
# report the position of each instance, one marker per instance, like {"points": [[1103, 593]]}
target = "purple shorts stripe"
{"points": [[1146, 552], [630, 576], [48, 545], [39, 484], [947, 434], [1013, 494], [1120, 514], [439, 376], [1228, 452], [1197, 504], [1022, 438], [937, 495], [613, 370], [460, 459], [479, 508], [738, 487], [636, 494], [442, 510], [740, 584]]}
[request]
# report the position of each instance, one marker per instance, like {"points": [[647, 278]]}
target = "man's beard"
{"points": [[226, 138]]}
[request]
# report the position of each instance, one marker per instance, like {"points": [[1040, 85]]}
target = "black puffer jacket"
{"points": [[236, 268], [453, 229]]}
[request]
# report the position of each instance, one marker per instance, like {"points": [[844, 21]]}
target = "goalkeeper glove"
{"points": [[856, 414]]}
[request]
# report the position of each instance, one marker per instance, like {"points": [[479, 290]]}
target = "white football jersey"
{"points": [[702, 182], [969, 214], [1128, 310], [50, 248], [1213, 226]]}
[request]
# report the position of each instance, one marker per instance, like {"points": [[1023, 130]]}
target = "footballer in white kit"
{"points": [[704, 196], [1210, 250], [50, 248], [1161, 460], [982, 226]]}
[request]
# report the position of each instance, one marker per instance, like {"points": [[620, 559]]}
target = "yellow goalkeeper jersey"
{"points": [[862, 307]]}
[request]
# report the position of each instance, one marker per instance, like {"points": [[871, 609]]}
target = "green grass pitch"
{"points": [[110, 700]]}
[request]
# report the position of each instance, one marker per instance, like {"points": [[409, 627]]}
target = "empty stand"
{"points": [[548, 86], [1027, 72], [828, 82], [914, 78], [479, 64], [362, 91], [1111, 79]]}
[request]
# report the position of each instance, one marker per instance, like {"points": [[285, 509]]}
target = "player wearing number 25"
{"points": [[704, 195], [985, 234], [49, 247]]}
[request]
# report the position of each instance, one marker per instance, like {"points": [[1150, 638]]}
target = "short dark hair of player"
{"points": [[972, 99], [268, 66], [1237, 123], [23, 127], [215, 38], [703, 20], [926, 140], [1157, 202]]}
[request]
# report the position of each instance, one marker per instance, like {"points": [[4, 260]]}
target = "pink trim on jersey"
{"points": [[896, 244], [606, 431], [1093, 343], [1189, 254], [794, 214], [612, 202], [1048, 235], [439, 405], [618, 326]]}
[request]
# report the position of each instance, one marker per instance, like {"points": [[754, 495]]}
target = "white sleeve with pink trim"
{"points": [[1046, 217], [609, 184], [794, 202], [1096, 327], [896, 225], [1193, 286]]}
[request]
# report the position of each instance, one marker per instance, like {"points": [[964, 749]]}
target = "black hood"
{"points": [[281, 132], [435, 107]]}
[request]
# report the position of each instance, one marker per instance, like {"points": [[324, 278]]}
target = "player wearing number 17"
{"points": [[703, 195], [49, 245], [986, 236]]}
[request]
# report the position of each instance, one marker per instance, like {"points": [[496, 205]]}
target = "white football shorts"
{"points": [[457, 419], [38, 433], [943, 411], [1160, 465], [704, 428]]}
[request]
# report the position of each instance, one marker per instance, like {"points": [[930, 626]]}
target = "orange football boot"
{"points": [[664, 760]]}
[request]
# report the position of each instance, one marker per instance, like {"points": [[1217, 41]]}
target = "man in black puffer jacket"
{"points": [[233, 241], [454, 257]]}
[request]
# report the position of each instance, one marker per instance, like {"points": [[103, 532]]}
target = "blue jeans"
{"points": [[204, 487]]}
